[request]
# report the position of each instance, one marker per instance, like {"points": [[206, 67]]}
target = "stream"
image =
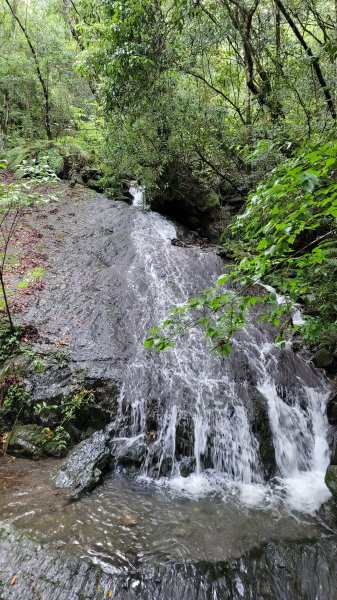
{"points": [[230, 453]]}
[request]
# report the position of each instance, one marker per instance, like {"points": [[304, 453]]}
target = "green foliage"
{"points": [[44, 406], [287, 239], [62, 357], [74, 403], [40, 171], [16, 399], [46, 160], [69, 407], [22, 100], [176, 91], [38, 365], [9, 341], [57, 439]]}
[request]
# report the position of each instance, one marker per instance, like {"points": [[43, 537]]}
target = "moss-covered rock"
{"points": [[32, 441], [324, 359], [331, 479], [16, 365]]}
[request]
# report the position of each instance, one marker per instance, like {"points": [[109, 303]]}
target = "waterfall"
{"points": [[210, 422], [138, 194]]}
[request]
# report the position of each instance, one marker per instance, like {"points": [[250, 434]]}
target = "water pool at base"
{"points": [[129, 522]]}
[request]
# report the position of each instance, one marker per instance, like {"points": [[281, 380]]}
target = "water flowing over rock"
{"points": [[257, 414], [249, 429]]}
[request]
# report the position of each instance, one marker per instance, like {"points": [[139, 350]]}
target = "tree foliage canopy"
{"points": [[210, 104]]}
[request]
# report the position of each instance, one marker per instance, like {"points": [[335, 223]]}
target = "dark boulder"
{"points": [[84, 466], [262, 431], [324, 359], [185, 196], [132, 453], [331, 408], [184, 435], [187, 466]]}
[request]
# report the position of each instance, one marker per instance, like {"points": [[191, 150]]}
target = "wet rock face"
{"points": [[187, 466], [331, 408], [185, 435], [130, 454], [84, 466], [262, 431]]}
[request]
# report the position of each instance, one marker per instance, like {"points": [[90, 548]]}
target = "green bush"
{"points": [[286, 237]]}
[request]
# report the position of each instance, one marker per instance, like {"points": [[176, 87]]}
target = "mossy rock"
{"points": [[323, 359], [16, 365], [31, 441], [331, 479]]}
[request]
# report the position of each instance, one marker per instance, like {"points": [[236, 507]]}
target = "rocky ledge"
{"points": [[287, 570]]}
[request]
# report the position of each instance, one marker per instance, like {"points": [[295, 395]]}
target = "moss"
{"points": [[331, 479], [211, 200], [33, 441], [31, 277]]}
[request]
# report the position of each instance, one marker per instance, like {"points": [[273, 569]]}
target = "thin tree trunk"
{"points": [[315, 60], [44, 84], [8, 311], [278, 42], [5, 117]]}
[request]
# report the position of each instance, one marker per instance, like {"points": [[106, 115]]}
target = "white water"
{"points": [[214, 399], [299, 436], [138, 194]]}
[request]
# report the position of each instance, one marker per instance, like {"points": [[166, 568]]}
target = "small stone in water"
{"points": [[180, 531], [130, 520]]}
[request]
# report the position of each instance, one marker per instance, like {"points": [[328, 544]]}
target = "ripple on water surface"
{"points": [[128, 521]]}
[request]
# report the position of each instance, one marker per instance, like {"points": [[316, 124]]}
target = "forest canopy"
{"points": [[215, 106]]}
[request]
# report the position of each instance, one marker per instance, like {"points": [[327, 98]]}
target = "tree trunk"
{"points": [[315, 60], [42, 80], [8, 311], [278, 42]]}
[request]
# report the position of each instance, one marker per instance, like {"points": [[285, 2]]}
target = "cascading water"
{"points": [[138, 194], [210, 453], [207, 417]]}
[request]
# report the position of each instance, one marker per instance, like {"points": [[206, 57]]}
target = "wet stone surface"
{"points": [[84, 466], [304, 571]]}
